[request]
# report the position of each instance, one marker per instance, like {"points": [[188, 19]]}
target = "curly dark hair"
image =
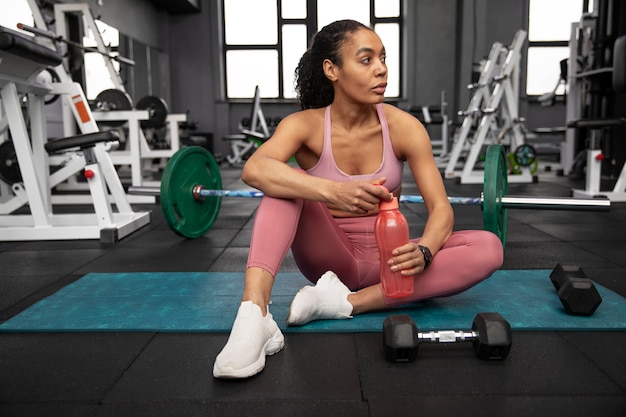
{"points": [[313, 88]]}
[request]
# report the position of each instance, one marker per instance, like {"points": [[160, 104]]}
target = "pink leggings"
{"points": [[346, 246]]}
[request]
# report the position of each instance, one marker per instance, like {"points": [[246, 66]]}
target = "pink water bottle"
{"points": [[391, 231]]}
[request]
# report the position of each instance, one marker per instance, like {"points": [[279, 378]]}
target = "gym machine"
{"points": [[436, 116], [22, 61], [596, 70], [148, 116], [250, 137], [496, 98], [138, 150]]}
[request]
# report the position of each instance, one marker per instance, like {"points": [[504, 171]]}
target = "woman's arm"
{"points": [[302, 132], [412, 143]]}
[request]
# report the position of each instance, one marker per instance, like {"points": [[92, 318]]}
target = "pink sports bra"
{"points": [[390, 167]]}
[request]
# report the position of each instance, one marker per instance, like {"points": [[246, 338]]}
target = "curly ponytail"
{"points": [[314, 90]]}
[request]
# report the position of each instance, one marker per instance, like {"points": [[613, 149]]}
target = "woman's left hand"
{"points": [[407, 259]]}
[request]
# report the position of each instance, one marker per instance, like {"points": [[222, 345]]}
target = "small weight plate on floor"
{"points": [[9, 167], [525, 155], [157, 109], [187, 168], [495, 185], [113, 100]]}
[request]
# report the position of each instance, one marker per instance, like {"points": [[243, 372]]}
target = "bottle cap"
{"points": [[389, 205]]}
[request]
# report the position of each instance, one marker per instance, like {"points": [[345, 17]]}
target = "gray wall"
{"points": [[443, 39], [138, 19]]}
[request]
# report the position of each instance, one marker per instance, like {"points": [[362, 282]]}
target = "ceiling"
{"points": [[178, 6]]}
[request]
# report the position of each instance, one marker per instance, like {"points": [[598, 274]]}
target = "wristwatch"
{"points": [[428, 256]]}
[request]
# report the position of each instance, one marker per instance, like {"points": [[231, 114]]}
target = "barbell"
{"points": [[191, 194], [80, 46]]}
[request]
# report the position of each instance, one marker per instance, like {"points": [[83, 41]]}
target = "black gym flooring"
{"points": [[548, 373]]}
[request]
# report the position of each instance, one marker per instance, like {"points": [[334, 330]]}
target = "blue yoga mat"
{"points": [[208, 302]]}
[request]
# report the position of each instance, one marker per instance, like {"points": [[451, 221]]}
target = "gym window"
{"points": [[549, 28], [97, 77], [19, 12], [263, 40]]}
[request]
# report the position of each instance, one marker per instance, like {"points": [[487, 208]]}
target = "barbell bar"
{"points": [[510, 202], [191, 194], [55, 38]]}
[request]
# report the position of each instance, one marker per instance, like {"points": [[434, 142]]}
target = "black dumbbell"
{"points": [[577, 293], [490, 336]]}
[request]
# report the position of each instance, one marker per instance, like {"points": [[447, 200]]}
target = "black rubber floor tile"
{"points": [[467, 215], [273, 408], [225, 221], [238, 207], [545, 255], [498, 406], [6, 246], [234, 259], [231, 260], [50, 262], [160, 236], [311, 367], [48, 409], [64, 367], [540, 363], [583, 232], [612, 251], [242, 239], [58, 245], [522, 232], [17, 288], [611, 278], [213, 238], [600, 350], [30, 296], [560, 217], [183, 258]]}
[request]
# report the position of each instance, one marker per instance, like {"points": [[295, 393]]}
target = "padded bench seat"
{"points": [[87, 140]]}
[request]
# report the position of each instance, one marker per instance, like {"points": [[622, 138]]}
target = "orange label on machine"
{"points": [[81, 109]]}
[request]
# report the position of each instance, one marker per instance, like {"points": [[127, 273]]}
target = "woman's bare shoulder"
{"points": [[305, 116]]}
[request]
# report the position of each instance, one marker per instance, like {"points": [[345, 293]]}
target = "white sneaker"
{"points": [[328, 299], [251, 339]]}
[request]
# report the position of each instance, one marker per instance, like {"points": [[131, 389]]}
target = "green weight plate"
{"points": [[185, 215], [495, 185]]}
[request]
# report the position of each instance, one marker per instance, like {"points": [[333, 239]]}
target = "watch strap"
{"points": [[428, 256]]}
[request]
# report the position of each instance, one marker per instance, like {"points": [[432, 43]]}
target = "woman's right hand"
{"points": [[357, 197]]}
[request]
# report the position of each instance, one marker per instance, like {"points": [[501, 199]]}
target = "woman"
{"points": [[345, 141]]}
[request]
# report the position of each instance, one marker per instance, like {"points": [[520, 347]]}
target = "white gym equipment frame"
{"points": [[138, 150], [482, 91], [247, 140], [485, 105], [19, 76]]}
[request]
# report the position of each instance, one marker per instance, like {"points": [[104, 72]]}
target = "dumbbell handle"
{"points": [[446, 336]]}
